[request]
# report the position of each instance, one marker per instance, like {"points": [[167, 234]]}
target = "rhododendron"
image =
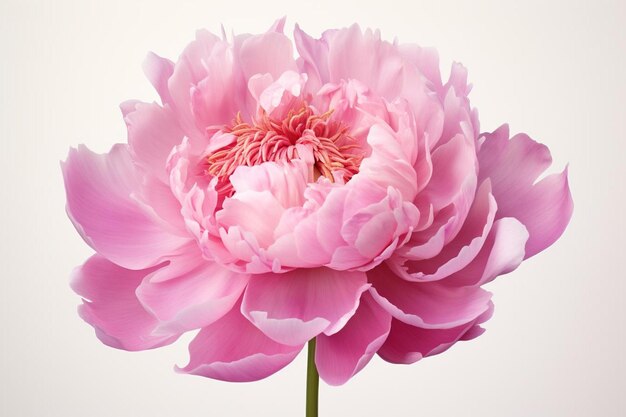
{"points": [[345, 196]]}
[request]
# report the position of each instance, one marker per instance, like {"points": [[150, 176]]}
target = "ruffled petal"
{"points": [[462, 250], [428, 305], [407, 344], [153, 132], [388, 165], [101, 202], [111, 307], [295, 306], [201, 294], [340, 356], [353, 54], [232, 349], [271, 52], [544, 207], [502, 253], [159, 70]]}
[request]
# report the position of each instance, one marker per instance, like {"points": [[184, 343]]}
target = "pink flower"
{"points": [[346, 195]]}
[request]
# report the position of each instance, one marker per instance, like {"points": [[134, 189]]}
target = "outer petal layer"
{"points": [[340, 356], [513, 165], [407, 344], [100, 201], [232, 349], [111, 307], [296, 306]]}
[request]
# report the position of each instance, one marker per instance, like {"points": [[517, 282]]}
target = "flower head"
{"points": [[346, 195]]}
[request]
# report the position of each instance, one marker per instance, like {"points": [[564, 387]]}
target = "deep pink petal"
{"points": [[111, 307], [513, 166], [101, 192], [429, 304], [232, 349], [407, 344], [296, 306], [340, 356]]}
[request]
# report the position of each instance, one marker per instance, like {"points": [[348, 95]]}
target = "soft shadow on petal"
{"points": [[153, 132], [407, 344], [196, 298], [294, 307], [460, 251], [232, 349], [502, 252], [111, 307], [341, 356], [101, 205], [513, 165], [428, 304]]}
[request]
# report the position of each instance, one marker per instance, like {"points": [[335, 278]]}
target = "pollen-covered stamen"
{"points": [[333, 149]]}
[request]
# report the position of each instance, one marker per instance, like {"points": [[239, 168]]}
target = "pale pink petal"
{"points": [[428, 304], [111, 307], [271, 52], [313, 58], [232, 349], [188, 72], [203, 293], [296, 306], [387, 165], [153, 132], [281, 94], [100, 203], [353, 54], [544, 207], [407, 344], [340, 356], [220, 94], [159, 70], [454, 168]]}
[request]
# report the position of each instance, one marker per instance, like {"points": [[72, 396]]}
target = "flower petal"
{"points": [[194, 299], [296, 306], [429, 304], [388, 165], [502, 252], [152, 134], [340, 356], [407, 344], [513, 166], [232, 349], [111, 307], [462, 250], [100, 203], [271, 52]]}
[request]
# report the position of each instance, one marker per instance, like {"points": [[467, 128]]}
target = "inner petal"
{"points": [[336, 154]]}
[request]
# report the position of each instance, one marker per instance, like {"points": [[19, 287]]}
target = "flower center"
{"points": [[334, 151]]}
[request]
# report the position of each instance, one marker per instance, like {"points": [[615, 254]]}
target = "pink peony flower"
{"points": [[345, 195]]}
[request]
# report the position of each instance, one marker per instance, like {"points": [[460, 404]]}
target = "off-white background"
{"points": [[556, 345]]}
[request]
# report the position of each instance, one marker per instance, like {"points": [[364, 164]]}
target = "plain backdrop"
{"points": [[556, 344]]}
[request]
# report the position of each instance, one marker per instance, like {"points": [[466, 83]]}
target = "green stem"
{"points": [[312, 382]]}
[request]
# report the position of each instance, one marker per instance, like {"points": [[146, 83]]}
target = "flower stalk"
{"points": [[312, 382]]}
